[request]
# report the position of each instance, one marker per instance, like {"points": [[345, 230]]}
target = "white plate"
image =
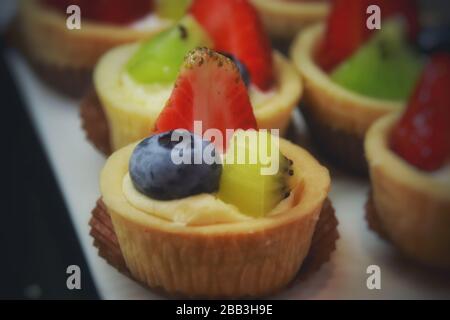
{"points": [[77, 165]]}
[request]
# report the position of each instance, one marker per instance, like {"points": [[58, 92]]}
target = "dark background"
{"points": [[37, 240]]}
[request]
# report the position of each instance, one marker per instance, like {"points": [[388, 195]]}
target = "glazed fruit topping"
{"points": [[210, 90], [422, 136], [346, 28], [244, 183], [235, 27], [156, 172], [385, 67], [107, 11], [159, 59]]}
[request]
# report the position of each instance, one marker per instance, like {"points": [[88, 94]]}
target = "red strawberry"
{"points": [[107, 11], [422, 136], [209, 89], [235, 27], [346, 29]]}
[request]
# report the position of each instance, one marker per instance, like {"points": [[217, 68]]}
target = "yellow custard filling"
{"points": [[151, 97], [154, 96], [151, 22]]}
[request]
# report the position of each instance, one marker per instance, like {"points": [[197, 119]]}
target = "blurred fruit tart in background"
{"points": [[409, 160], [283, 19], [222, 225], [133, 82], [354, 75], [65, 57]]}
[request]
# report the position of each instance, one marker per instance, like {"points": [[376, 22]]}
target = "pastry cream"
{"points": [[151, 97], [198, 210], [442, 175], [150, 22]]}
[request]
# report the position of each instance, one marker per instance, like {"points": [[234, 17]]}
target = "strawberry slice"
{"points": [[235, 27], [346, 28], [422, 136], [107, 11], [209, 89]]}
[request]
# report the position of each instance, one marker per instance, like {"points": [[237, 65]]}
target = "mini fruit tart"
{"points": [[200, 218], [353, 75], [133, 82], [65, 58], [284, 18], [409, 160]]}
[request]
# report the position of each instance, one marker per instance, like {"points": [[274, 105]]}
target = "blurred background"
{"points": [[37, 241]]}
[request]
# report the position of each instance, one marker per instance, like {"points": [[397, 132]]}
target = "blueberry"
{"points": [[164, 168], [241, 67], [434, 39]]}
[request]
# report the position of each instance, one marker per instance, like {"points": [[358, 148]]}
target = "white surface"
{"points": [[77, 165]]}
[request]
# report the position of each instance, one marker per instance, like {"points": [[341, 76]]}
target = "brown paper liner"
{"points": [[70, 81], [322, 245], [94, 123], [344, 149]]}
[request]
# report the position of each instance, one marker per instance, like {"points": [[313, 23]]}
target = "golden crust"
{"points": [[251, 258], [283, 19], [47, 38], [323, 242], [413, 207], [341, 108], [129, 121]]}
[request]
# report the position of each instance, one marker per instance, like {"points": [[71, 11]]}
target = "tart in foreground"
{"points": [[408, 157], [64, 57], [220, 228], [350, 82], [133, 82]]}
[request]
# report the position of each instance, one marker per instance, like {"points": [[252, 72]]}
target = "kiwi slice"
{"points": [[255, 175], [172, 9], [385, 67], [158, 60]]}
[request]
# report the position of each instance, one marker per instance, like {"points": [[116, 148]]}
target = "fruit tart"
{"points": [[65, 57], [284, 18], [210, 206], [354, 75], [409, 160], [133, 82]]}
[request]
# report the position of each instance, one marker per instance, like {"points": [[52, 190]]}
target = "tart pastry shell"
{"points": [[413, 207], [251, 258], [283, 19], [49, 44], [323, 242]]}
